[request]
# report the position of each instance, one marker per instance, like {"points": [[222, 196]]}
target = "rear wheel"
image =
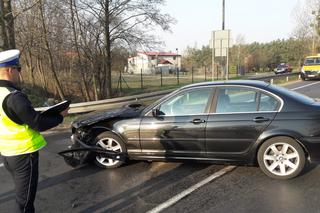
{"points": [[281, 158], [109, 141]]}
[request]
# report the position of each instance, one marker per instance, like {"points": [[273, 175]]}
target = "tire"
{"points": [[109, 141], [281, 158]]}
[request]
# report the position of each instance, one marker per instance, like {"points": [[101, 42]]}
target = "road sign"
{"points": [[220, 41], [233, 69], [220, 44]]}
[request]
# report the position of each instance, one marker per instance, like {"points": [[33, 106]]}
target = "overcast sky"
{"points": [[256, 20]]}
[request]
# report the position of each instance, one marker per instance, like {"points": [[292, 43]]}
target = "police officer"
{"points": [[20, 124]]}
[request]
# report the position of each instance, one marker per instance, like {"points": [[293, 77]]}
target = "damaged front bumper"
{"points": [[78, 153]]}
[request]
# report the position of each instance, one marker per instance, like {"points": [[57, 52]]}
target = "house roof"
{"points": [[159, 53], [164, 62]]}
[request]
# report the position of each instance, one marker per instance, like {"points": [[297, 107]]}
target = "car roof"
{"points": [[254, 83]]}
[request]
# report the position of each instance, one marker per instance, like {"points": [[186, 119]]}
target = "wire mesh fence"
{"points": [[129, 84]]}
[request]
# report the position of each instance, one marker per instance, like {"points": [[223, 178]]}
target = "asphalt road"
{"points": [[142, 186]]}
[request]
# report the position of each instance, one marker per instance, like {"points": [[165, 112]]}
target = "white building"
{"points": [[154, 62]]}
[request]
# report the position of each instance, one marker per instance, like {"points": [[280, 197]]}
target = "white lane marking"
{"points": [[306, 85], [188, 191], [1, 165]]}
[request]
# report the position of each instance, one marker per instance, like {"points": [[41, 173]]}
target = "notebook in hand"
{"points": [[56, 109]]}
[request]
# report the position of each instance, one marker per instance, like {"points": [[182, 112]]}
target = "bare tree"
{"points": [[49, 51], [126, 23], [73, 10], [307, 17], [71, 47], [7, 36]]}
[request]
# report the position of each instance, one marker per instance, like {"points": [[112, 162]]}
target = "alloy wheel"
{"points": [[108, 144], [281, 159]]}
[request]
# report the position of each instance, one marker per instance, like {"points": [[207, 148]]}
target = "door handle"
{"points": [[260, 119], [198, 121]]}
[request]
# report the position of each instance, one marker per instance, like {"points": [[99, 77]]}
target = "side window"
{"points": [[190, 102], [268, 103], [237, 99]]}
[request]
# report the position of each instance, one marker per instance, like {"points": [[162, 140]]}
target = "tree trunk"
{"points": [[95, 90], [85, 87], [107, 49], [30, 67], [40, 69], [7, 37], [9, 22], [54, 74], [3, 34]]}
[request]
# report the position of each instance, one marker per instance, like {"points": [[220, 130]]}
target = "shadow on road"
{"points": [[308, 168], [128, 197], [52, 181]]}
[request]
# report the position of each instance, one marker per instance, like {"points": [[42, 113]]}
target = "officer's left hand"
{"points": [[64, 113]]}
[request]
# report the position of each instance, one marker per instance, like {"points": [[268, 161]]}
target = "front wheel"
{"points": [[281, 158], [109, 141]]}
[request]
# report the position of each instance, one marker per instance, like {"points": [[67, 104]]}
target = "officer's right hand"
{"points": [[64, 113]]}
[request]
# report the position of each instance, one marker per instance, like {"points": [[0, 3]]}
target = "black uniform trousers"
{"points": [[24, 170]]}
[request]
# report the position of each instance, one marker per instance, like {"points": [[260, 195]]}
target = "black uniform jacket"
{"points": [[19, 109]]}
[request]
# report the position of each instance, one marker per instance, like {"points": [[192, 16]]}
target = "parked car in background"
{"points": [[283, 68], [233, 122], [311, 68]]}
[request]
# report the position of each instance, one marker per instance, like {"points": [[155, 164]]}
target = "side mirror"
{"points": [[155, 112]]}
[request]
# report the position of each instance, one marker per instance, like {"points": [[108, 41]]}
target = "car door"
{"points": [[238, 118], [179, 128]]}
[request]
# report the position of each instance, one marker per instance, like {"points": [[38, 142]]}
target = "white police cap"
{"points": [[9, 58]]}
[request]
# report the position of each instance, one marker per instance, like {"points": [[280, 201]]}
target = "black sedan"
{"points": [[237, 122]]}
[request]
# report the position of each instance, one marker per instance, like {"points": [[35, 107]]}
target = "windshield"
{"points": [[149, 107], [281, 66], [312, 61]]}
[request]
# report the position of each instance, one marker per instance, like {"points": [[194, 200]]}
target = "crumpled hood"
{"points": [[95, 117]]}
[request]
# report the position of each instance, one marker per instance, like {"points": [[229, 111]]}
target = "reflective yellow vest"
{"points": [[16, 139]]}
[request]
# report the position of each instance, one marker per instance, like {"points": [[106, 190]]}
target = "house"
{"points": [[154, 62]]}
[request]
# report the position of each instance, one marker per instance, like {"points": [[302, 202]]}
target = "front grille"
{"points": [[312, 72]]}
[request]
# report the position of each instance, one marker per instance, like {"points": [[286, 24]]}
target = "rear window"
{"points": [[292, 94]]}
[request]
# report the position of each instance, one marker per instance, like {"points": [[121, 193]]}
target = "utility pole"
{"points": [[216, 36], [223, 13], [226, 67]]}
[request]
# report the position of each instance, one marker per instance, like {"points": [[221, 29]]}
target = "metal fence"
{"points": [[126, 84]]}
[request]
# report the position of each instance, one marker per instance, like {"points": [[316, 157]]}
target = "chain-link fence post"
{"points": [[205, 73], [192, 74], [177, 70], [161, 77], [141, 79]]}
